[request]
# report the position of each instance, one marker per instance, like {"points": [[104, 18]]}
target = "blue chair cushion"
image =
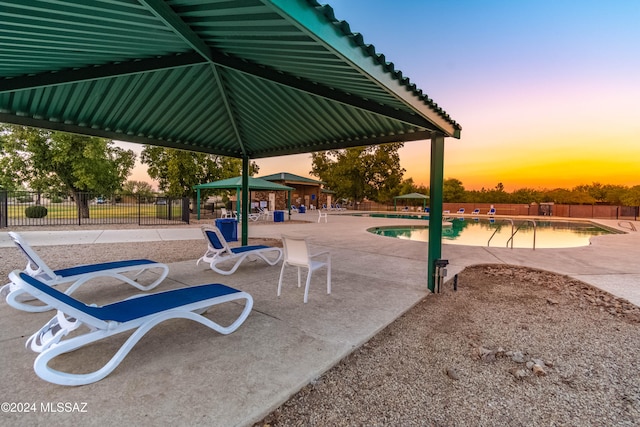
{"points": [[124, 311], [242, 249], [92, 268]]}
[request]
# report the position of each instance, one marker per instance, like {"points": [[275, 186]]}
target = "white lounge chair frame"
{"points": [[296, 254], [322, 214], [141, 313], [219, 252], [36, 267]]}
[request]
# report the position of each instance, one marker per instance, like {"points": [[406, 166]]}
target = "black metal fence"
{"points": [[24, 208]]}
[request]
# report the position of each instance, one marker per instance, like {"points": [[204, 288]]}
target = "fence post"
{"points": [[139, 207], [185, 209], [4, 209]]}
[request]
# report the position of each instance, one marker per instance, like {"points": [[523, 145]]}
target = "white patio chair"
{"points": [[321, 215], [266, 214], [224, 213], [296, 254]]}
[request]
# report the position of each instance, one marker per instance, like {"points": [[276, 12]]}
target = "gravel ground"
{"points": [[512, 346]]}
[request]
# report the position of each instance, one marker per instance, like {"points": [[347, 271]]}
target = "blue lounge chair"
{"points": [[460, 211], [492, 211], [36, 267], [140, 314], [476, 211], [219, 252]]}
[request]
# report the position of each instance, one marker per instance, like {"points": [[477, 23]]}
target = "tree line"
{"points": [[60, 164], [374, 173], [585, 194], [63, 164]]}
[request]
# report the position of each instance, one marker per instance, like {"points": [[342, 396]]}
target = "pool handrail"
{"points": [[498, 229], [513, 233]]}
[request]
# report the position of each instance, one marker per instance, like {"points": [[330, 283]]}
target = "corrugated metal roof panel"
{"points": [[245, 77]]}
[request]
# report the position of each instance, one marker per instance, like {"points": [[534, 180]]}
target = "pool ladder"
{"points": [[629, 227], [513, 232]]}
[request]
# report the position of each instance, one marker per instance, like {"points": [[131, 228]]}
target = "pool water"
{"points": [[497, 233]]}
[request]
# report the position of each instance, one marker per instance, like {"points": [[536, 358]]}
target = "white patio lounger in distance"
{"points": [[139, 313], [218, 252], [77, 275]]}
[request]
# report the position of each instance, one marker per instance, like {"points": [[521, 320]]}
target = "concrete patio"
{"points": [[184, 374]]}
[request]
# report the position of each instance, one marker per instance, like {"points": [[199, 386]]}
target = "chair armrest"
{"points": [[321, 254]]}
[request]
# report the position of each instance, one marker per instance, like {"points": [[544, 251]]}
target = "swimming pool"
{"points": [[497, 233]]}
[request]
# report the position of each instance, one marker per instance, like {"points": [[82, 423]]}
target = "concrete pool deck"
{"points": [[181, 373]]}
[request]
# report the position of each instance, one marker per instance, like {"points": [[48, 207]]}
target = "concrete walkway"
{"points": [[182, 373]]}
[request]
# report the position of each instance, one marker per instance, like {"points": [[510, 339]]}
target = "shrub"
{"points": [[36, 211], [24, 199]]}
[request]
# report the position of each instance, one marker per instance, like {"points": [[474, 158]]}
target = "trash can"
{"points": [[302, 209], [278, 216], [229, 228]]}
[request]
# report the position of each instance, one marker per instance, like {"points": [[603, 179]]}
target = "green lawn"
{"points": [[69, 211]]}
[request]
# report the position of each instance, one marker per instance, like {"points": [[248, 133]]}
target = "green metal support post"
{"points": [[245, 201], [198, 202], [238, 204], [435, 206]]}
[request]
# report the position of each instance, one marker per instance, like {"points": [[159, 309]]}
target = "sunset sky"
{"points": [[547, 92]]}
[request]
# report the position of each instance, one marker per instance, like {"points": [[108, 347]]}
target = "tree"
{"points": [[498, 195], [177, 171], [372, 172], [138, 188], [525, 196], [453, 190], [408, 186], [62, 162], [632, 196], [614, 194], [596, 191], [564, 196]]}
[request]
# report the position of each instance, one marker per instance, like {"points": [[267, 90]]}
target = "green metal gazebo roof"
{"points": [[236, 183], [290, 177], [421, 196], [412, 196], [244, 78]]}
